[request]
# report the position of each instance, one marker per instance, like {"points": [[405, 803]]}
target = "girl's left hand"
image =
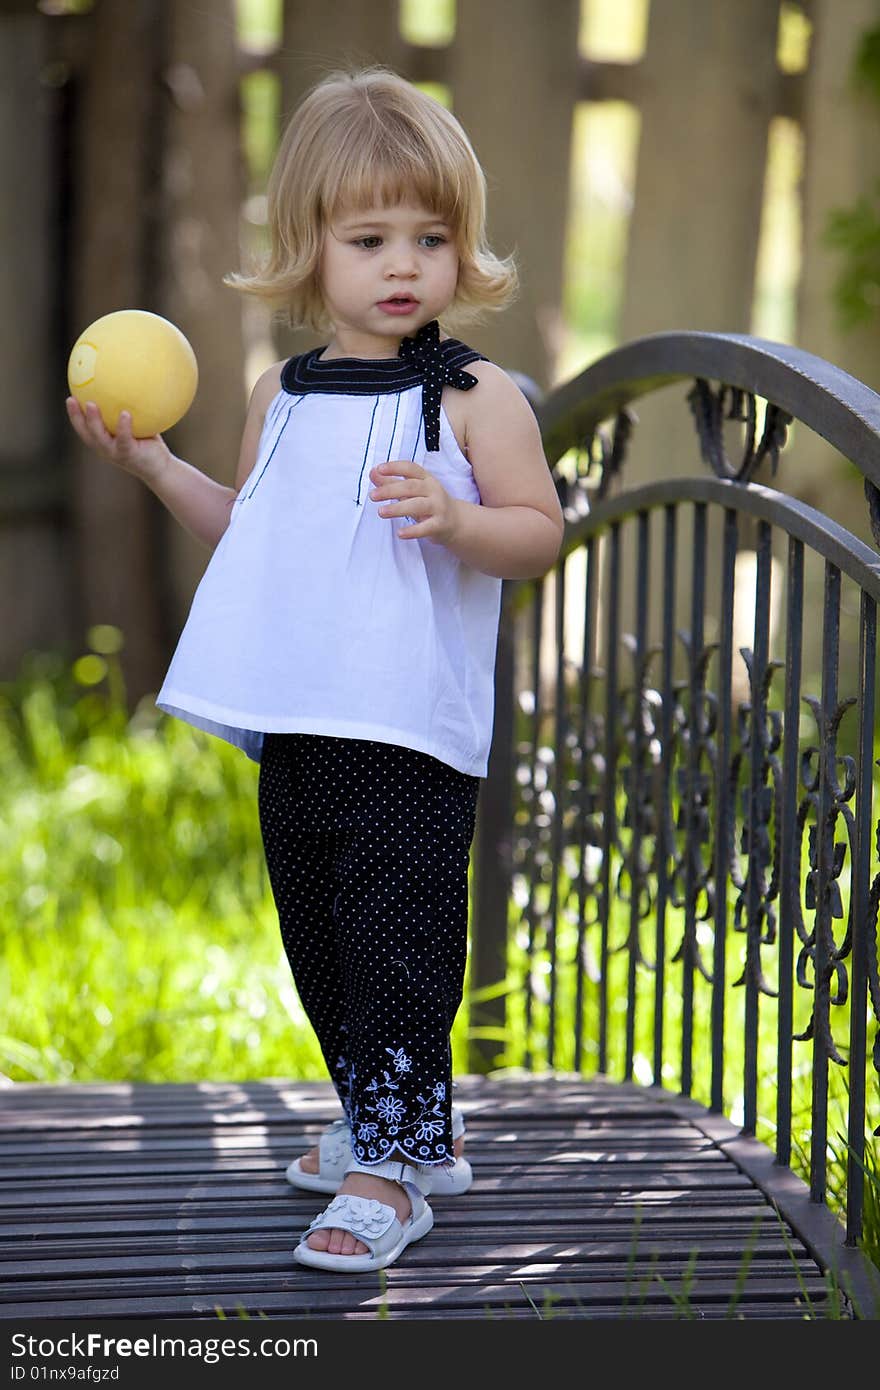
{"points": [[418, 495]]}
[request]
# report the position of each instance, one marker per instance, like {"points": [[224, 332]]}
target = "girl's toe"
{"points": [[336, 1242]]}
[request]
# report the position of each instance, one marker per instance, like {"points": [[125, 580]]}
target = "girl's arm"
{"points": [[516, 529], [198, 502]]}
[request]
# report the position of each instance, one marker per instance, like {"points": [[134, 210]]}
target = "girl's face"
{"points": [[384, 272]]}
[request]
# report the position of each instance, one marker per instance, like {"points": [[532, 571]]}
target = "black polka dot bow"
{"points": [[425, 351]]}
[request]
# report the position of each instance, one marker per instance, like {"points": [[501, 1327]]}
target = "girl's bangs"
{"points": [[362, 183]]}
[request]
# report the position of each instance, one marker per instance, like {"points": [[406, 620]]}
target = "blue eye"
{"points": [[436, 238]]}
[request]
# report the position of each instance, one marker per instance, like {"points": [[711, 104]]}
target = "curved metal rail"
{"points": [[834, 404]]}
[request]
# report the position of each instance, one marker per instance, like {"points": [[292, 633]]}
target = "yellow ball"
{"points": [[137, 361]]}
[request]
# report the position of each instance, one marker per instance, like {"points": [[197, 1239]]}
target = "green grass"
{"points": [[139, 937]]}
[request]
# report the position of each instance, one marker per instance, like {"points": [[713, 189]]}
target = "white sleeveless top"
{"points": [[312, 616]]}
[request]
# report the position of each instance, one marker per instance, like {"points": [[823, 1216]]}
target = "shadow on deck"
{"points": [[591, 1200]]}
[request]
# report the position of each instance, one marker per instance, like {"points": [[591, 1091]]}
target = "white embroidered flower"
{"points": [[429, 1129], [367, 1130], [401, 1061], [390, 1108], [439, 1090]]}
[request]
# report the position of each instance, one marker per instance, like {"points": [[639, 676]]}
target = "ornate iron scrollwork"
{"points": [[711, 407], [692, 883], [760, 736], [638, 767], [872, 496], [601, 455], [827, 800]]}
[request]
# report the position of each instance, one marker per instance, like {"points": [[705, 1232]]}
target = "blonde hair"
{"points": [[358, 137]]}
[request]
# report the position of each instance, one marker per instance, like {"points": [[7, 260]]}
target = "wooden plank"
{"points": [[247, 1189], [471, 1262], [714, 1222], [486, 1147], [130, 1162], [272, 1273], [322, 1301], [276, 1308], [29, 1260]]}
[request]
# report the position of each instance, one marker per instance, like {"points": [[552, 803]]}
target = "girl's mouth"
{"points": [[399, 304]]}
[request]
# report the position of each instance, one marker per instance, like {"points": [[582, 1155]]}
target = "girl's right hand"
{"points": [[143, 458]]}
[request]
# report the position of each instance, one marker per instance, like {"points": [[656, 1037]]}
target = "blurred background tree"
{"points": [[666, 165]]}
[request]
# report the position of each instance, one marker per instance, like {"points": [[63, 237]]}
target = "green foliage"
{"points": [[866, 65], [855, 231], [427, 21]]}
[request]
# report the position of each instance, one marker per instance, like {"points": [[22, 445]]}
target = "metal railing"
{"points": [[675, 857]]}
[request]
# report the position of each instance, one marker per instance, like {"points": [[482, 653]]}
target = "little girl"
{"points": [[344, 631]]}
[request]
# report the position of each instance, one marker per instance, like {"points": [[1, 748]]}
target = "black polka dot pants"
{"points": [[367, 847]]}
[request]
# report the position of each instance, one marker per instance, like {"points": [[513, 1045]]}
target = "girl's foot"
{"points": [[361, 1185]]}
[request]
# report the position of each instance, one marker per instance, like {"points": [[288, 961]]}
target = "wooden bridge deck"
{"points": [[591, 1200]]}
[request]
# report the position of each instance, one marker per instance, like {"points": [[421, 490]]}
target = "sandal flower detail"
{"points": [[361, 1215], [373, 1223]]}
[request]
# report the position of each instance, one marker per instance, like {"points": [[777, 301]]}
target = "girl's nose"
{"points": [[401, 261]]}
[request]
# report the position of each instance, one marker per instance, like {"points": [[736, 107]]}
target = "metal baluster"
{"points": [[824, 946], [609, 813], [534, 829], [560, 746], [860, 890], [591, 596], [666, 846], [698, 599], [723, 808], [636, 791], [493, 857], [756, 828], [788, 859]]}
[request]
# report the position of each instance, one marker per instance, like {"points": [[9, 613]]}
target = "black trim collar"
{"points": [[422, 360]]}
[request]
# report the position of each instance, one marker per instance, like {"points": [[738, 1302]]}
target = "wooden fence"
{"points": [[131, 180]]}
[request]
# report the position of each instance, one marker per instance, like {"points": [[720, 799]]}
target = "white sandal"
{"points": [[374, 1223], [334, 1154]]}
